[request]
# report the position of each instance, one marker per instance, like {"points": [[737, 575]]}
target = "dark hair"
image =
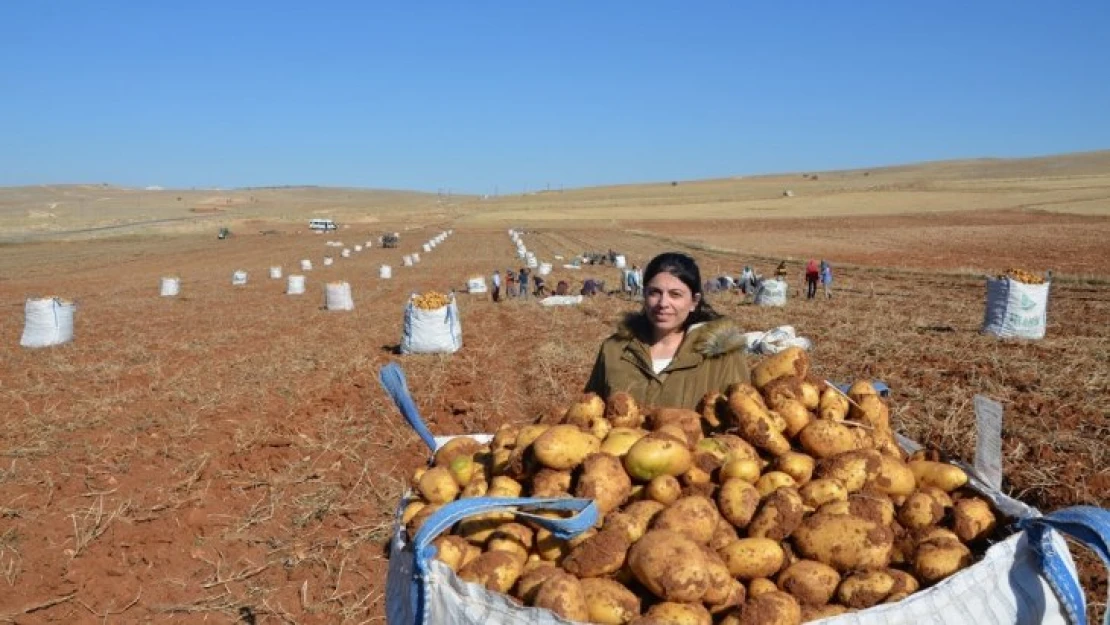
{"points": [[685, 269]]}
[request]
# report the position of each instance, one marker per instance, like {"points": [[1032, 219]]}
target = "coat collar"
{"points": [[703, 341]]}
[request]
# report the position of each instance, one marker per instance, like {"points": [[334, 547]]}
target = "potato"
{"points": [[811, 393], [919, 511], [749, 558], [655, 455], [471, 554], [410, 510], [504, 486], [809, 581], [742, 468], [782, 389], [505, 437], [863, 589], [620, 440], [797, 465], [723, 535], [736, 447], [893, 478], [972, 519], [635, 518], [451, 550], [939, 558], [694, 517], [601, 554], [587, 409], [737, 501], [665, 489], [533, 577], [818, 492], [622, 411], [761, 586], [551, 483], [795, 416], [940, 475], [478, 528], [779, 515], [876, 507], [458, 446], [463, 469], [500, 460], [734, 596], [832, 406], [688, 420], [521, 460], [564, 447], [669, 565], [496, 570], [528, 434], [701, 472], [904, 586], [771, 481], [604, 480], [854, 469], [757, 425], [438, 486], [792, 361], [673, 613], [711, 407], [772, 608], [844, 542], [824, 439], [563, 595], [422, 515], [718, 448], [608, 602], [829, 610], [512, 538]]}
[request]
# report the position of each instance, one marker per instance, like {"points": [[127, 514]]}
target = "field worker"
{"points": [[780, 271], [813, 274], [510, 283], [522, 280], [496, 285], [826, 278], [747, 280], [562, 288], [676, 348], [541, 287], [637, 281]]}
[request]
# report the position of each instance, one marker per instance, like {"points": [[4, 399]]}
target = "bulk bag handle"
{"points": [[585, 516], [392, 379], [1087, 525]]}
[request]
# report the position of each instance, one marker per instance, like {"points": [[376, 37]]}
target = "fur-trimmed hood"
{"points": [[709, 339]]}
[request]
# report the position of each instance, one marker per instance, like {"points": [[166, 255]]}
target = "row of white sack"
{"points": [[1013, 309], [1027, 578]]}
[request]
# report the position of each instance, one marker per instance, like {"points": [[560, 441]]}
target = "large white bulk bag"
{"points": [[337, 296], [358, 248], [239, 278], [385, 272], [1029, 578], [406, 260], [415, 257], [47, 321], [369, 244], [170, 286], [436, 331], [306, 265], [531, 262], [427, 248], [619, 261], [294, 285], [328, 261], [346, 253], [476, 285], [771, 292], [545, 269], [275, 272], [1016, 309]]}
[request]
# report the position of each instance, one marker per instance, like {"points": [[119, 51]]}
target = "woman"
{"points": [[826, 278], [813, 273], [677, 348]]}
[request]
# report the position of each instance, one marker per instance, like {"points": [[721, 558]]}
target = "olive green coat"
{"points": [[710, 358]]}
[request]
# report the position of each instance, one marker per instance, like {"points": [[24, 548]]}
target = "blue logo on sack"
{"points": [[1027, 303]]}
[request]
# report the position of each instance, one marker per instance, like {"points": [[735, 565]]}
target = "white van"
{"points": [[322, 224]]}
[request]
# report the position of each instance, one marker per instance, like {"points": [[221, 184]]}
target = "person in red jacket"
{"points": [[813, 274]]}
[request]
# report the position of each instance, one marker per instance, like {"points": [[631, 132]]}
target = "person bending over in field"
{"points": [[676, 348]]}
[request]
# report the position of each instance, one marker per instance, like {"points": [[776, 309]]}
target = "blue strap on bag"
{"points": [[393, 380], [1088, 526]]}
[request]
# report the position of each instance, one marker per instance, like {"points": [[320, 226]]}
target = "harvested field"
{"points": [[229, 452]]}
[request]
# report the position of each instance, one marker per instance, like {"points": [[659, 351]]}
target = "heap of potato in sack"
{"points": [[1021, 275], [432, 300], [779, 501]]}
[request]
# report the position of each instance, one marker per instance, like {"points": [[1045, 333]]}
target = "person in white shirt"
{"points": [[496, 285]]}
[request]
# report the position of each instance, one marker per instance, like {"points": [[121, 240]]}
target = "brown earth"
{"points": [[230, 450]]}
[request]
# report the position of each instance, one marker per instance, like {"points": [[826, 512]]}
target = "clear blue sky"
{"points": [[515, 95]]}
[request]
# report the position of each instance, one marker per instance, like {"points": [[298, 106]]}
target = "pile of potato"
{"points": [[1021, 275], [432, 300], [781, 501]]}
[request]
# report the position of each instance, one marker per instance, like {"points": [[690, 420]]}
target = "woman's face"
{"points": [[668, 302]]}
